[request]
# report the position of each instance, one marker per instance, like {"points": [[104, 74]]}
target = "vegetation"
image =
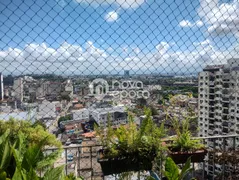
{"points": [[21, 161], [183, 140], [34, 133], [22, 153], [130, 141], [183, 89], [64, 118], [172, 171], [49, 77], [154, 111]]}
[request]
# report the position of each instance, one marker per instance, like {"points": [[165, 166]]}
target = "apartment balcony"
{"points": [[218, 99], [211, 89], [218, 92], [84, 162], [225, 117], [219, 86], [226, 77], [211, 122], [218, 123], [217, 80], [211, 85], [225, 111], [225, 99], [225, 104]]}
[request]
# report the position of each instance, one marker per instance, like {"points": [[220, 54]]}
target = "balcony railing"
{"points": [[82, 160]]}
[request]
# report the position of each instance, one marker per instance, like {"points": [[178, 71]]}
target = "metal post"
{"points": [[66, 160], [91, 162], [234, 149], [214, 146], [203, 172], [193, 172], [78, 159], [161, 166], [223, 165]]}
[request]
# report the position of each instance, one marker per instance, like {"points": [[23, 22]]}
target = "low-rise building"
{"points": [[116, 114], [82, 114], [46, 110]]}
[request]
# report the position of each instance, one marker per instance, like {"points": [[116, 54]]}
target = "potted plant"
{"points": [[173, 172], [184, 146], [129, 148]]}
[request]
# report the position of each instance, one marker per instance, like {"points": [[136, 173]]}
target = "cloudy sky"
{"points": [[109, 36]]}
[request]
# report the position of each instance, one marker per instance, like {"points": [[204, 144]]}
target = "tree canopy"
{"points": [[34, 133]]}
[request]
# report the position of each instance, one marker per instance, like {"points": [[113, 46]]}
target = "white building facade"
{"points": [[219, 105], [18, 89]]}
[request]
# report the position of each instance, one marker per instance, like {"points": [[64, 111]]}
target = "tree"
{"points": [[34, 133], [64, 118], [154, 111], [21, 161]]}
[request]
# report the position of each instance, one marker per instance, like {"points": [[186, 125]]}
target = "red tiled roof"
{"points": [[89, 134]]}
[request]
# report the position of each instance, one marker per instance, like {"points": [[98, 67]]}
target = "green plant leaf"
{"points": [[5, 154], [31, 174], [54, 173], [33, 155], [186, 169], [171, 169], [18, 175], [4, 136], [3, 175]]}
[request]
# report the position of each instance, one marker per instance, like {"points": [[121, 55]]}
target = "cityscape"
{"points": [[119, 90]]}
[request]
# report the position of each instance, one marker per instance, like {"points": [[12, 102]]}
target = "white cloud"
{"points": [[129, 3], [111, 16], [205, 42], [126, 4], [187, 23], [221, 18], [162, 47], [61, 3], [199, 23], [72, 59], [136, 50]]}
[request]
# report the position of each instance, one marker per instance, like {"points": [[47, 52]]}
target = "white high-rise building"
{"points": [[1, 87], [18, 89], [219, 105]]}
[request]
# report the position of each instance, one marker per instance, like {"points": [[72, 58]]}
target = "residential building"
{"points": [[81, 90], [116, 114], [47, 110], [18, 89], [20, 115], [219, 104], [82, 114]]}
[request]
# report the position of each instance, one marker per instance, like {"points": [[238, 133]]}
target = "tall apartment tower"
{"points": [[1, 87], [219, 105], [18, 89]]}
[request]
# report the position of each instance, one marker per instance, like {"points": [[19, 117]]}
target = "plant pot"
{"points": [[181, 157], [118, 165]]}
